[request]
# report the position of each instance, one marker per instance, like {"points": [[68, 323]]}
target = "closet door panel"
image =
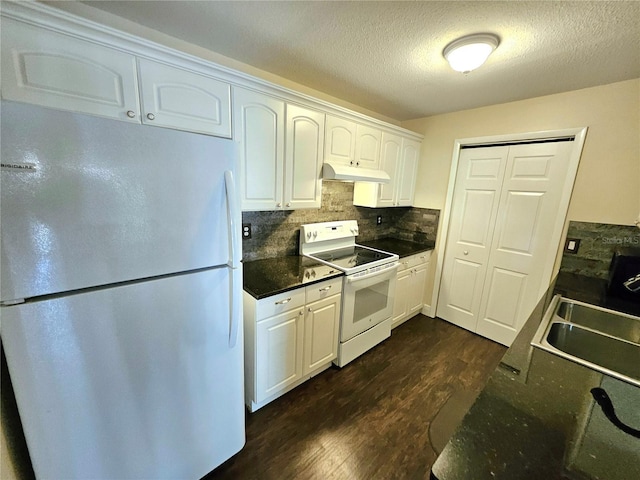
{"points": [[473, 217], [528, 210]]}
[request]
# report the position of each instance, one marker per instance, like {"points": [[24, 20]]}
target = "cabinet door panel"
{"points": [[390, 163], [183, 100], [278, 353], [368, 147], [401, 302], [259, 128], [407, 177], [340, 140], [303, 158], [418, 280], [321, 333], [53, 70]]}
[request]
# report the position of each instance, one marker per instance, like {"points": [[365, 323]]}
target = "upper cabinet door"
{"points": [[407, 177], [340, 144], [53, 70], [176, 98], [368, 147], [390, 163], [259, 130], [303, 158]]}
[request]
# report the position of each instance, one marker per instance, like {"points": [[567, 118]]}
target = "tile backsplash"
{"points": [[598, 241], [276, 233]]}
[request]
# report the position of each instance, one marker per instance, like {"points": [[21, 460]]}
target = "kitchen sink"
{"points": [[598, 338]]}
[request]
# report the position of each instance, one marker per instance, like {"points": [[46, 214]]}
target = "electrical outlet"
{"points": [[246, 231], [379, 220], [572, 245]]}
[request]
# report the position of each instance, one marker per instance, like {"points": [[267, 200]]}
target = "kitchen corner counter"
{"points": [[536, 418], [402, 248], [264, 278]]}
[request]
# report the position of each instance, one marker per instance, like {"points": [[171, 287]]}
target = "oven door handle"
{"points": [[354, 279]]}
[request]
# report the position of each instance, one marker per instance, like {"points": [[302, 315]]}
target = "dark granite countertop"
{"points": [[536, 418], [263, 278], [402, 248]]}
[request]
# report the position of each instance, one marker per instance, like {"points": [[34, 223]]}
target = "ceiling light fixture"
{"points": [[468, 53]]}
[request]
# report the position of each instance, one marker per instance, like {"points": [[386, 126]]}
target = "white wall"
{"points": [[607, 188]]}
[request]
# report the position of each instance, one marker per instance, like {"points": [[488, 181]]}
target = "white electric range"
{"points": [[368, 289]]}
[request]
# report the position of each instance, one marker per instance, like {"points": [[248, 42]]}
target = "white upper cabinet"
{"points": [[276, 175], [58, 60], [406, 179], [351, 143], [368, 147], [390, 163], [183, 100], [399, 158], [340, 140], [259, 129], [57, 71], [303, 158]]}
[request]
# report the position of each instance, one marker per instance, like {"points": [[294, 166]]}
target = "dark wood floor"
{"points": [[369, 420]]}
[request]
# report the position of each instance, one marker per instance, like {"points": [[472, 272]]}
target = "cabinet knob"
{"points": [[131, 114], [278, 204], [466, 252], [288, 204], [351, 163], [357, 164], [151, 116], [302, 313], [310, 309]]}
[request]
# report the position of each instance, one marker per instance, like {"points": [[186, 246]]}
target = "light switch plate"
{"points": [[572, 245]]}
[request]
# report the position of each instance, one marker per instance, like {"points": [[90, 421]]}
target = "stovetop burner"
{"points": [[352, 256]]}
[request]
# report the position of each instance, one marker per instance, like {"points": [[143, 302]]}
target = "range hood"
{"points": [[339, 171]]}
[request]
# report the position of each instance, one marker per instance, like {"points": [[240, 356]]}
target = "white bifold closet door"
{"points": [[506, 203]]}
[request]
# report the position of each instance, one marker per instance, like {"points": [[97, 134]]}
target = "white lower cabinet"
{"points": [[410, 286], [289, 338]]}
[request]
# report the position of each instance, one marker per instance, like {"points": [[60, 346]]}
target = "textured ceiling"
{"points": [[387, 56]]}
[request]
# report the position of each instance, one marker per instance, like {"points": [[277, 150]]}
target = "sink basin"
{"points": [[600, 339]]}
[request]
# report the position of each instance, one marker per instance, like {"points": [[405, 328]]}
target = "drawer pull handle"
{"points": [[325, 289], [282, 302]]}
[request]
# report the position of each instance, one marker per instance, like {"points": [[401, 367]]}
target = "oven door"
{"points": [[366, 301]]}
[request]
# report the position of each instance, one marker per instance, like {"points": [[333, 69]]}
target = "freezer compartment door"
{"points": [[136, 381], [89, 201]]}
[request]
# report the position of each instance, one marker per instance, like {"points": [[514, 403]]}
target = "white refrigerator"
{"points": [[121, 295]]}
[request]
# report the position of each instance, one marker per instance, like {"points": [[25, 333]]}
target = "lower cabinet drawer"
{"points": [[276, 304], [325, 289]]}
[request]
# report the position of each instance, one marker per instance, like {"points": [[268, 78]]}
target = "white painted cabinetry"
{"points": [[58, 71], [410, 286], [304, 151], [183, 100], [276, 175], [351, 143], [259, 130], [340, 140], [289, 338], [399, 158], [54, 70]]}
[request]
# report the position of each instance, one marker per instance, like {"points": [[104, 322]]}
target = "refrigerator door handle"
{"points": [[234, 308], [233, 217]]}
